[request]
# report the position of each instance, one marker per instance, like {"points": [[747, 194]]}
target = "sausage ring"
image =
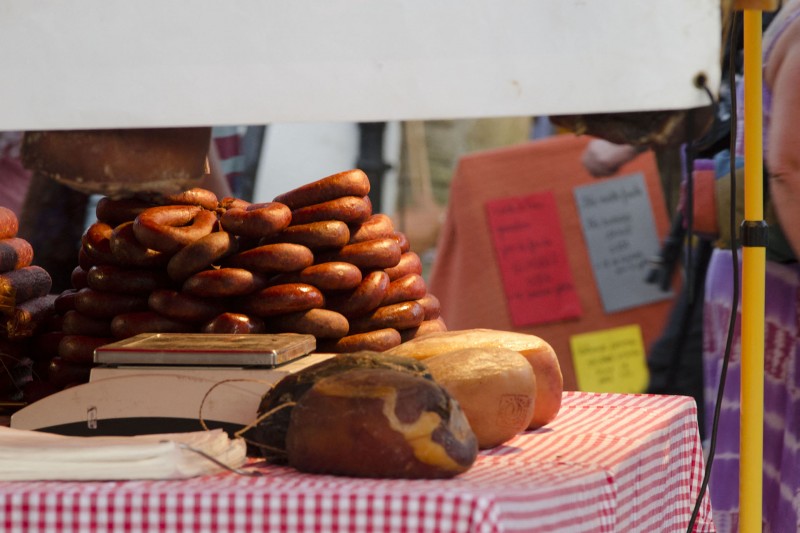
{"points": [[84, 261], [234, 323], [376, 226], [78, 277], [129, 251], [195, 196], [431, 305], [409, 263], [348, 183], [278, 257], [257, 220], [223, 282], [316, 235], [76, 323], [63, 373], [129, 324], [427, 326], [321, 323], [65, 301], [379, 340], [96, 244], [171, 227], [184, 307], [110, 278], [282, 299], [201, 254], [80, 348], [332, 276], [229, 202], [364, 298], [348, 209], [400, 316], [115, 212], [98, 304], [383, 252], [402, 241], [404, 289]]}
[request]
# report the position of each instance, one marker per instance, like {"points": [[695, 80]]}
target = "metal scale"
{"points": [[158, 383]]}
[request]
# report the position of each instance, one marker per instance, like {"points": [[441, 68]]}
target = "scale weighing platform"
{"points": [[158, 382]]}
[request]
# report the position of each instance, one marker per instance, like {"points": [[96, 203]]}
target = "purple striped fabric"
{"points": [[781, 481]]}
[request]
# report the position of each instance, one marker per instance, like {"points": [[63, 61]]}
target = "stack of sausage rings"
{"points": [[315, 260]]}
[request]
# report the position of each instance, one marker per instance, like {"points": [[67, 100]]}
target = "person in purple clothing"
{"points": [[781, 481]]}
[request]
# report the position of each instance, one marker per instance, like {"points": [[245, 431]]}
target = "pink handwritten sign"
{"points": [[529, 246]]}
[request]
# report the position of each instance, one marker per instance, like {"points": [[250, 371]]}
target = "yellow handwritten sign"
{"points": [[610, 360]]}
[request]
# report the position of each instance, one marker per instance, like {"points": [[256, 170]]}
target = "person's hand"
{"points": [[603, 158]]}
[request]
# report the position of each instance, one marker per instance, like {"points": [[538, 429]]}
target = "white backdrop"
{"points": [[123, 63]]}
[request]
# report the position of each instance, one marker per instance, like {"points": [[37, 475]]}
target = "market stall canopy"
{"points": [[100, 63]]}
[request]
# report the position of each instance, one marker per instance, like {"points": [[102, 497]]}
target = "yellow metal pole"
{"points": [[753, 272]]}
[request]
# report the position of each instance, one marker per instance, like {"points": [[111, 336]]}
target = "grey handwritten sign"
{"points": [[618, 225]]}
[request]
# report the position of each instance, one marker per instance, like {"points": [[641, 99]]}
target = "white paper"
{"points": [[33, 455], [620, 233]]}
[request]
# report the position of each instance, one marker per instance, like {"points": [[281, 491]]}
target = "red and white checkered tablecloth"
{"points": [[609, 462]]}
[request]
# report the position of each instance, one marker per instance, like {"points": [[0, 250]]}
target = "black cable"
{"points": [[735, 297]]}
